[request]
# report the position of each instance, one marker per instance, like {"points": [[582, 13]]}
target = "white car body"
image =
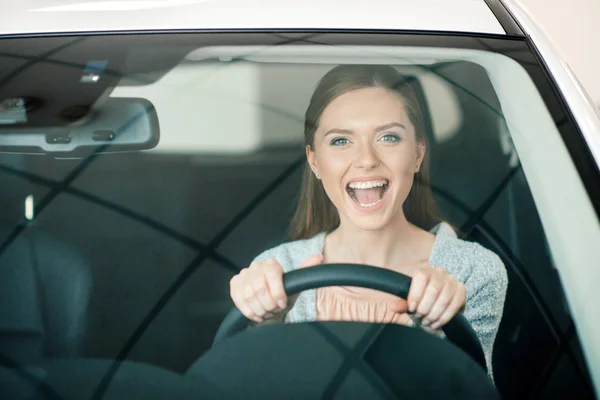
{"points": [[59, 16]]}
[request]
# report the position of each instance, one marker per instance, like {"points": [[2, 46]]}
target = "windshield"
{"points": [[140, 173]]}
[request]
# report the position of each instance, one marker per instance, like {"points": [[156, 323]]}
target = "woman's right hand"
{"points": [[257, 291]]}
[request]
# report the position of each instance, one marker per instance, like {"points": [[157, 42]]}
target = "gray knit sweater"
{"points": [[481, 271]]}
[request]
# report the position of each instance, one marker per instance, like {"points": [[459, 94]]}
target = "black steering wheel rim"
{"points": [[458, 330]]}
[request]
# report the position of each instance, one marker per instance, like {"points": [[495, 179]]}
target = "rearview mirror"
{"points": [[121, 124]]}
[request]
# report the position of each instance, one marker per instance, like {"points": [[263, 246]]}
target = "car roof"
{"points": [[69, 16]]}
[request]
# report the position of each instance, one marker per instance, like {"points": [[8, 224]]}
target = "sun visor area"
{"points": [[240, 100], [300, 54]]}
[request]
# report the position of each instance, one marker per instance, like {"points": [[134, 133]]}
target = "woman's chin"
{"points": [[370, 225]]}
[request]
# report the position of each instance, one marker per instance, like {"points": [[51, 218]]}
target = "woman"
{"points": [[365, 199]]}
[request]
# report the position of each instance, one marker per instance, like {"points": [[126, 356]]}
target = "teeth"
{"points": [[367, 185], [370, 204]]}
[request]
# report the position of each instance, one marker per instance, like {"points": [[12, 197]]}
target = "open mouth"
{"points": [[367, 194]]}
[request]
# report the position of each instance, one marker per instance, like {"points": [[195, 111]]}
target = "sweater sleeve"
{"points": [[486, 287], [283, 255]]}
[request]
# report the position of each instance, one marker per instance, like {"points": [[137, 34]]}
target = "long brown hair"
{"points": [[315, 212]]}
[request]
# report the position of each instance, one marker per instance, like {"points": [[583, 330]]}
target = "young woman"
{"points": [[365, 199]]}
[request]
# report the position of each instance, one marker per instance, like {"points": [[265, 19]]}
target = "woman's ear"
{"points": [[312, 160], [421, 150]]}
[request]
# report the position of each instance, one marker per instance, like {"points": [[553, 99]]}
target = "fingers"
{"points": [[398, 306], [258, 291], [251, 300], [441, 303], [274, 278], [416, 292], [430, 295], [258, 294], [435, 296], [455, 306], [236, 291]]}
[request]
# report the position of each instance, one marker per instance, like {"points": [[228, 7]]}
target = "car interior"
{"points": [[115, 233]]}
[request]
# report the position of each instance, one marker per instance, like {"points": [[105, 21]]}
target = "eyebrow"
{"points": [[378, 129], [337, 130], [390, 125]]}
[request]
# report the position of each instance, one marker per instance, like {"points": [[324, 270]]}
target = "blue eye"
{"points": [[390, 137], [339, 141]]}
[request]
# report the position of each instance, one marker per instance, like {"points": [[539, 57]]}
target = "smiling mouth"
{"points": [[367, 194]]}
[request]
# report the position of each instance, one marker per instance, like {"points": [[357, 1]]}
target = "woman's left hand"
{"points": [[435, 296]]}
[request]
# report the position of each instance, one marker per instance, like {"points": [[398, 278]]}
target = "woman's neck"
{"points": [[399, 243]]}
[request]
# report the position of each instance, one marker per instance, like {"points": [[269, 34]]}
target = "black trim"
{"points": [[585, 163], [506, 20], [404, 32]]}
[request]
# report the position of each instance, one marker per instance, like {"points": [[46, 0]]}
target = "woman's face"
{"points": [[366, 154]]}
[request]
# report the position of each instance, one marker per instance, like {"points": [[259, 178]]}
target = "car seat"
{"points": [[45, 286]]}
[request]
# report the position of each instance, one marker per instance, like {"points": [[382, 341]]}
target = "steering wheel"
{"points": [[458, 330]]}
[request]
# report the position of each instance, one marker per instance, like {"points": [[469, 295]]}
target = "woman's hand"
{"points": [[435, 296], [257, 291]]}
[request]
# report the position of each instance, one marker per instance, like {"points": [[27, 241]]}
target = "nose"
{"points": [[366, 157]]}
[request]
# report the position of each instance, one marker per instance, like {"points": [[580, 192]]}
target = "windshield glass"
{"points": [[140, 173]]}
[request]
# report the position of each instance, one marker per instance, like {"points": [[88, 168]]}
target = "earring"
{"points": [[317, 175]]}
